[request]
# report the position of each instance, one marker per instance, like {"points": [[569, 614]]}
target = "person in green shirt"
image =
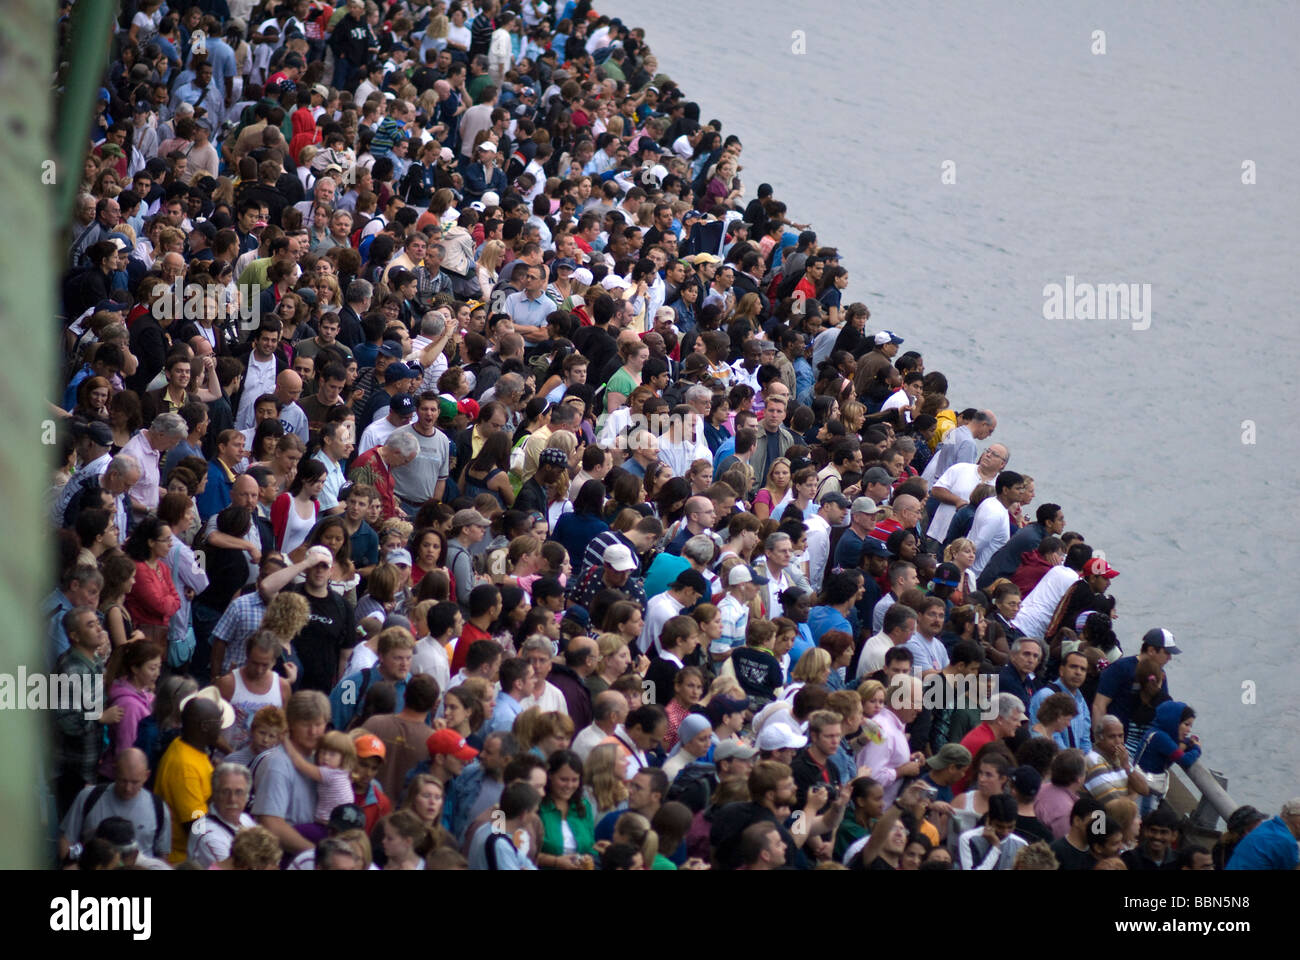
{"points": [[867, 799], [568, 820], [627, 377]]}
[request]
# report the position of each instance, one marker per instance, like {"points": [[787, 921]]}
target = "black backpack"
{"points": [[694, 785]]}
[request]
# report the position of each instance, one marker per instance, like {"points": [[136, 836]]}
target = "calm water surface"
{"points": [[1117, 168]]}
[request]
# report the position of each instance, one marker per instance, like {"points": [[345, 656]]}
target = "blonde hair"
{"points": [[395, 638], [603, 778], [636, 828], [341, 742], [868, 689], [812, 665], [961, 543], [1123, 811], [490, 257], [402, 528], [522, 546], [553, 724], [255, 848], [727, 686], [286, 615]]}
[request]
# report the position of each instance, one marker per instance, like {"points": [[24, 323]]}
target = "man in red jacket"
{"points": [[1035, 563], [375, 468]]}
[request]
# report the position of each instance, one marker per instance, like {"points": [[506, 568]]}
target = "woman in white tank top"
{"points": [[294, 512]]}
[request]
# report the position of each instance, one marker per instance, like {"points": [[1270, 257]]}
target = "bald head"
{"points": [[288, 387], [907, 510], [243, 493], [130, 773], [200, 347], [609, 709]]}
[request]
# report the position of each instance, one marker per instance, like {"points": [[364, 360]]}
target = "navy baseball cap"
{"points": [[875, 548], [403, 404], [397, 371], [391, 348]]}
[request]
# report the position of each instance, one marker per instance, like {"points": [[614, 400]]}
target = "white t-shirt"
{"points": [[550, 701], [990, 529], [899, 400], [819, 548], [259, 379], [960, 479], [430, 657], [1037, 609]]}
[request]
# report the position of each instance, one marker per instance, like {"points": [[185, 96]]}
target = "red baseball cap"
{"points": [[468, 407], [1098, 567], [449, 742]]}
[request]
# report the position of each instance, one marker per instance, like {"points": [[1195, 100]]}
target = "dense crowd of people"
{"points": [[461, 467]]}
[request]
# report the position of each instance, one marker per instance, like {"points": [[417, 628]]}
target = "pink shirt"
{"points": [[149, 459]]}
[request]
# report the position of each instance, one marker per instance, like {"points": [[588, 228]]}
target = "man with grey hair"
{"points": [[778, 552], [428, 346], [959, 445], [644, 446], [148, 447], [359, 295], [953, 488], [700, 399], [322, 196], [212, 835], [508, 391], [609, 710], [1110, 774], [1019, 675], [123, 473], [1010, 715], [539, 652], [375, 468]]}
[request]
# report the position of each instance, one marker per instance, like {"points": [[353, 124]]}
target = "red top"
{"points": [[369, 468], [974, 742], [468, 634], [153, 599]]}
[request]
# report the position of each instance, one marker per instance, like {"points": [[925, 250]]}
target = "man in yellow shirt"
{"points": [[184, 777]]}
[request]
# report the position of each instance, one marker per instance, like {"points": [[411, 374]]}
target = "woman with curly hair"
{"points": [[286, 616]]}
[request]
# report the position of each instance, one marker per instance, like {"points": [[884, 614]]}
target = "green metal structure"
{"points": [[42, 145]]}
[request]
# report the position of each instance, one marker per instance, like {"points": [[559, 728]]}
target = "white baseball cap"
{"points": [[780, 736], [619, 557]]}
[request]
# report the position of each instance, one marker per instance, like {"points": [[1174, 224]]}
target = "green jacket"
{"points": [[582, 821]]}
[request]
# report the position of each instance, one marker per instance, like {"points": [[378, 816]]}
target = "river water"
{"points": [[1169, 447]]}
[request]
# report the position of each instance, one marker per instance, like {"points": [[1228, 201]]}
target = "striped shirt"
{"points": [[594, 555], [1103, 779], [735, 618]]}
